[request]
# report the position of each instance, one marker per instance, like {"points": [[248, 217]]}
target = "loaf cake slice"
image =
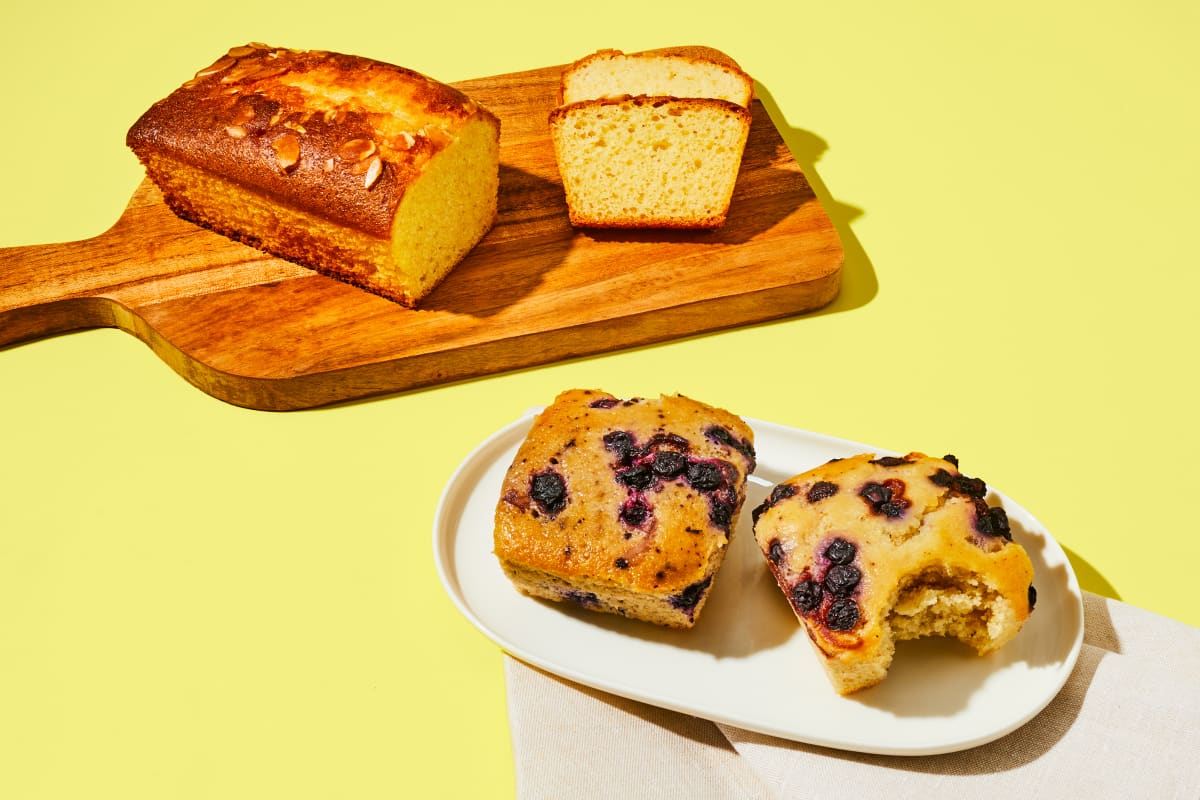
{"points": [[694, 72], [870, 551], [651, 140], [624, 506], [367, 172]]}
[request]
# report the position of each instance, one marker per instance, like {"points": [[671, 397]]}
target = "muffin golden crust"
{"points": [[624, 506], [873, 550]]}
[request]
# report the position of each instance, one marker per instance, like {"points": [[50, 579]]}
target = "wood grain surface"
{"points": [[259, 332]]}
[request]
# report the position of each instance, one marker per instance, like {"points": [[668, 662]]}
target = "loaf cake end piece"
{"points": [[370, 173]]}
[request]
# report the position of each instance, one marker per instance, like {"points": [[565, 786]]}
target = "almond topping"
{"points": [[236, 131], [356, 150], [437, 136], [242, 51], [238, 73], [244, 113], [224, 62], [270, 71], [374, 169], [296, 126], [408, 139], [287, 151]]}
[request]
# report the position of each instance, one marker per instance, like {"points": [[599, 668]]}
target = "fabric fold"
{"points": [[1127, 723]]}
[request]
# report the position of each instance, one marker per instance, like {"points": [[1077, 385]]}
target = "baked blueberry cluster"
{"points": [[990, 521], [825, 592], [643, 468]]}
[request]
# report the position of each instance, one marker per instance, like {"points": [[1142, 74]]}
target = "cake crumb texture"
{"points": [[651, 140]]}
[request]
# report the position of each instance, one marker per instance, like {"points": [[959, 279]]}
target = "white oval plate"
{"points": [[747, 662]]}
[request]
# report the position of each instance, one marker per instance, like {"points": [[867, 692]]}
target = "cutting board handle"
{"points": [[146, 258], [53, 288]]}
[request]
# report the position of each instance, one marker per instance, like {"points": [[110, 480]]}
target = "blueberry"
{"points": [[691, 595], [635, 513], [840, 551], [820, 490], [639, 477], [586, 599], [722, 436], [1000, 522], [991, 521], [673, 439], [721, 513], [963, 484], [621, 563], [604, 402], [620, 443], [885, 498], [953, 459], [842, 615], [719, 435], [549, 491], [876, 494], [1032, 597], [889, 461], [775, 551], [971, 487], [704, 476], [841, 579], [782, 492], [806, 596], [668, 463]]}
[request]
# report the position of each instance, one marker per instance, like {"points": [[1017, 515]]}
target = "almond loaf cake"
{"points": [[871, 550], [652, 140], [367, 172], [624, 506]]}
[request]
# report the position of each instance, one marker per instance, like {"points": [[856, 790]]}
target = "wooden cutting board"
{"points": [[263, 333]]}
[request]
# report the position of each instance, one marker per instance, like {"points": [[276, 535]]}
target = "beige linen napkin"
{"points": [[1127, 724]]}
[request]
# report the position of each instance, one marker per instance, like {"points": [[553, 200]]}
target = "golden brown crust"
{"points": [[261, 118], [921, 551], [694, 54], [589, 541], [721, 106]]}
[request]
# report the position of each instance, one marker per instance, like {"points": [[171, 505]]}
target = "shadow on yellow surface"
{"points": [[859, 284], [1090, 579]]}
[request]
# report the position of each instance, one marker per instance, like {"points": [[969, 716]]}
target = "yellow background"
{"points": [[200, 601]]}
